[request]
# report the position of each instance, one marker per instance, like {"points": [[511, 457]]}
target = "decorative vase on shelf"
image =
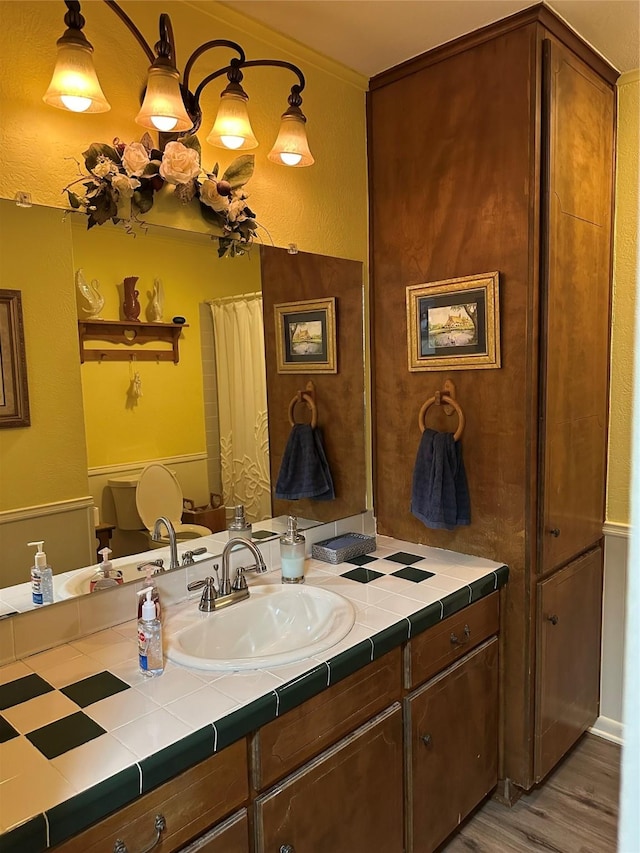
{"points": [[130, 304], [156, 305], [88, 298]]}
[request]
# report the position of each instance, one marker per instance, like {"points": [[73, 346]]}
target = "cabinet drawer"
{"points": [[190, 804], [436, 648], [287, 742], [347, 800], [231, 836]]}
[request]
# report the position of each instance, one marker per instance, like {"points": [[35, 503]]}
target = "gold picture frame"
{"points": [[306, 336], [454, 324], [14, 392]]}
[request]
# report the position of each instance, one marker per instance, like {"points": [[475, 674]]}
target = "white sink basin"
{"points": [[276, 625], [77, 582]]}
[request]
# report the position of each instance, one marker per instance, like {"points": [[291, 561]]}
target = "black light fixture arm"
{"points": [[234, 72], [209, 45], [131, 27]]}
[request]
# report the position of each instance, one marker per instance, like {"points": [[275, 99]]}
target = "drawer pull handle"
{"points": [[465, 639], [553, 619], [160, 826], [555, 532], [426, 740], [287, 848]]}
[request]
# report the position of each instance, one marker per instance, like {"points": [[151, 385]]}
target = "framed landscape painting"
{"points": [[454, 324], [14, 394], [306, 336]]}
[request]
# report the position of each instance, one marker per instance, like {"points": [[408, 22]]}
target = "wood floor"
{"points": [[574, 811]]}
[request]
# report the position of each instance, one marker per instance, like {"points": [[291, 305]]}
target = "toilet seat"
{"points": [[158, 493]]}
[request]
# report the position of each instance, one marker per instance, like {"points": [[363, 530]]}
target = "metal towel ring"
{"points": [[304, 398], [448, 401]]}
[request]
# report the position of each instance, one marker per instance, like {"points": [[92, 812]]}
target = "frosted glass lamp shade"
{"points": [[291, 147], [232, 128], [163, 108], [74, 85]]}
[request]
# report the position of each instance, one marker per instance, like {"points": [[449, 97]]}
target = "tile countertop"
{"points": [[83, 733]]}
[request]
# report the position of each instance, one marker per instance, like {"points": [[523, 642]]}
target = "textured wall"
{"points": [[625, 276]]}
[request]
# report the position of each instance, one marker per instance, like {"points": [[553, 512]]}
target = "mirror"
{"points": [[85, 426]]}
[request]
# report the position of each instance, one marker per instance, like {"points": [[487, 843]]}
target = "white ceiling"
{"points": [[370, 36]]}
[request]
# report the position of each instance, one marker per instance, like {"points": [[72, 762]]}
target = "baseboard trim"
{"points": [[608, 729], [10, 516], [124, 467], [616, 528]]}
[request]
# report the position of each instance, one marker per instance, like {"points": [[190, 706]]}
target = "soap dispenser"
{"points": [[106, 577], [292, 545], [240, 527], [150, 638], [41, 577]]}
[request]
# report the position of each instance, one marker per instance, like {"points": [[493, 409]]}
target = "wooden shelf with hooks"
{"points": [[129, 333]]}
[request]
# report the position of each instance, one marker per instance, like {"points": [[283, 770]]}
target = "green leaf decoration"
{"points": [[74, 200], [191, 141], [147, 141], [95, 150], [216, 169], [239, 172], [152, 168], [211, 216], [105, 208], [143, 198]]}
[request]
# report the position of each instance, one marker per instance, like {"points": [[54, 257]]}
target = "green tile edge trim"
{"points": [[350, 661], [302, 688], [76, 814], [172, 760], [426, 618], [31, 836], [239, 723], [389, 638]]}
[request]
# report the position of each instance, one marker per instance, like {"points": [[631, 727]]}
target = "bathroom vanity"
{"points": [[384, 741]]}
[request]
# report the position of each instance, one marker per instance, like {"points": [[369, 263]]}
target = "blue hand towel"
{"points": [[304, 470], [440, 495]]}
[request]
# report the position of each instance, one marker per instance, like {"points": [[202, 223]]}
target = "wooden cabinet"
{"points": [[231, 836], [348, 799], [495, 152], [451, 746], [568, 671]]}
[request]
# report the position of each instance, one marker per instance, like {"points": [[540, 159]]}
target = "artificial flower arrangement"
{"points": [[122, 181]]}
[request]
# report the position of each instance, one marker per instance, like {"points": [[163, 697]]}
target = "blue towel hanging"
{"points": [[304, 470], [440, 495]]}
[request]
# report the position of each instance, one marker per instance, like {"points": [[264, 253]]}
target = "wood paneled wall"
{"points": [[339, 396]]}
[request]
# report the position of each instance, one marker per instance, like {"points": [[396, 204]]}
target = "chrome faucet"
{"points": [[173, 545], [258, 567]]}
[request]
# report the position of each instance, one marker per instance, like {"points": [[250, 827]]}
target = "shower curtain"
{"points": [[242, 403]]}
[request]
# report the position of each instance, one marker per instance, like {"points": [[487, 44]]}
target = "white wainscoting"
{"points": [[66, 528], [616, 541]]}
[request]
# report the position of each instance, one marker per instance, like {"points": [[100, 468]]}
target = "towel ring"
{"points": [[449, 401], [304, 398]]}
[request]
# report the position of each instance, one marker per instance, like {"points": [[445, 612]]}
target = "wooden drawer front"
{"points": [[451, 731], [232, 836], [190, 803], [432, 651], [287, 742], [347, 800]]}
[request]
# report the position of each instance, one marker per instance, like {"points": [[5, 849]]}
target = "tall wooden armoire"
{"points": [[495, 152]]}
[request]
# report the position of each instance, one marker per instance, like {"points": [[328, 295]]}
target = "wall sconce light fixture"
{"points": [[169, 105]]}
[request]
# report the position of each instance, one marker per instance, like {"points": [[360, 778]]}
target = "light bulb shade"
{"points": [[291, 147], [74, 85], [163, 108], [232, 128]]}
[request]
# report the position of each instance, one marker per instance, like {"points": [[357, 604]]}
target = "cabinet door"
{"points": [[452, 747], [346, 800], [568, 658], [576, 264], [232, 836]]}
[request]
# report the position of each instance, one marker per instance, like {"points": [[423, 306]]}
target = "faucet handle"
{"points": [[209, 594], [239, 582]]}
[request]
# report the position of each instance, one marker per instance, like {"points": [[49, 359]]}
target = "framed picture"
{"points": [[306, 336], [454, 324], [14, 394]]}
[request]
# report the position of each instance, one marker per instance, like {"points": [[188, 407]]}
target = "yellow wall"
{"points": [[322, 209], [47, 461], [624, 299]]}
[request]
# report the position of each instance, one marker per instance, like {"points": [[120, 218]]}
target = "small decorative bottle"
{"points": [[150, 638], [292, 546], [240, 527]]}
